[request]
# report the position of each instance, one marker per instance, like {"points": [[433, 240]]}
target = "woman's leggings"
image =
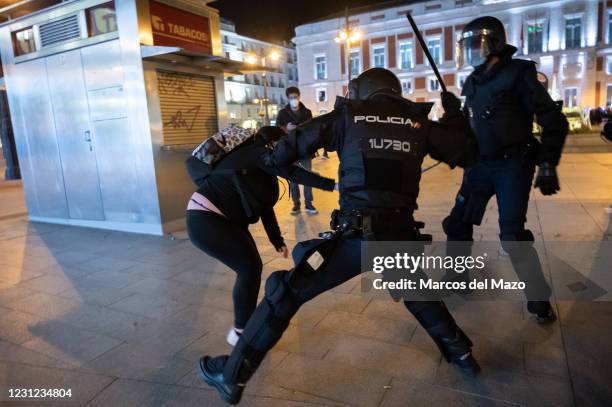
{"points": [[233, 246]]}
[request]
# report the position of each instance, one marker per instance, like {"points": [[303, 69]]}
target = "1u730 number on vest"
{"points": [[389, 144]]}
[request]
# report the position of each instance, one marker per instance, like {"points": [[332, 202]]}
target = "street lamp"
{"points": [[261, 102], [252, 59], [348, 35]]}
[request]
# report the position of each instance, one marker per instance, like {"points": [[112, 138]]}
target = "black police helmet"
{"points": [[374, 81], [479, 39]]}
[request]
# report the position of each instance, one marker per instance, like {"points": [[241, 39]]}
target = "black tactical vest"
{"points": [[497, 115], [381, 153]]}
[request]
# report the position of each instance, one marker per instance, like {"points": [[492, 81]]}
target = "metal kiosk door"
{"points": [[74, 135]]}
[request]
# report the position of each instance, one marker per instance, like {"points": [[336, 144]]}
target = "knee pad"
{"points": [[276, 287], [280, 296], [455, 229]]}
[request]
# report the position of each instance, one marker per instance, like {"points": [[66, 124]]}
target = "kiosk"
{"points": [[107, 99]]}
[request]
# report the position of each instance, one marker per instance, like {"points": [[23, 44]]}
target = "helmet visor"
{"points": [[473, 48]]}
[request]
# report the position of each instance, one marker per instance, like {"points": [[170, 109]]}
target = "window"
{"points": [[23, 41], [571, 97], [406, 86], [461, 78], [609, 64], [433, 84], [378, 55], [609, 96], [535, 37], [435, 48], [355, 61], [573, 31], [405, 55], [101, 19], [321, 95], [320, 67], [609, 27]]}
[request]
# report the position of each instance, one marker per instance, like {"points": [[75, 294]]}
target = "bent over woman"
{"points": [[226, 202]]}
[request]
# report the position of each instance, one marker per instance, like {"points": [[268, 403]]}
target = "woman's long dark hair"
{"points": [[268, 135]]}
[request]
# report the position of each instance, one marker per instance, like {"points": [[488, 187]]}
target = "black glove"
{"points": [[451, 104], [547, 179]]}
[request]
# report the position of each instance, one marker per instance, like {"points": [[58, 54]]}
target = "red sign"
{"points": [[175, 27]]}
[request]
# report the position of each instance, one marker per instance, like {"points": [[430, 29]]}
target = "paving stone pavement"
{"points": [[121, 319]]}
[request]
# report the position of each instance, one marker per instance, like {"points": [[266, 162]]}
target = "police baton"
{"points": [[432, 63]]}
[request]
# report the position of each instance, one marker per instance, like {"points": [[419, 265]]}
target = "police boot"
{"points": [[454, 345], [457, 349], [543, 311], [211, 370]]}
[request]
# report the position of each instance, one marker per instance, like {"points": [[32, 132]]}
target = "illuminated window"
{"points": [[406, 85], [405, 55], [435, 48], [570, 97], [609, 96], [320, 67], [355, 60], [101, 19], [609, 64], [609, 27], [378, 55], [433, 84], [573, 31], [321, 95], [23, 41], [535, 37]]}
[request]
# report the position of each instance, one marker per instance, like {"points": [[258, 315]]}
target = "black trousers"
{"points": [[232, 245], [286, 291], [509, 179]]}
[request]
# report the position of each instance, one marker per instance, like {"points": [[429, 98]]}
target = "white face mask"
{"points": [[294, 103]]}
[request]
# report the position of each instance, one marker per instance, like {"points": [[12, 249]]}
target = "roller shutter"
{"points": [[188, 107]]}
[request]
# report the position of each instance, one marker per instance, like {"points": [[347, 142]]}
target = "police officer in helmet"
{"points": [[381, 139], [502, 96]]}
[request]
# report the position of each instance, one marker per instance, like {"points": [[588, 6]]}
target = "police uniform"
{"points": [[381, 143]]}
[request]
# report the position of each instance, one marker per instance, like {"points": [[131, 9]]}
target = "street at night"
{"points": [[319, 203]]}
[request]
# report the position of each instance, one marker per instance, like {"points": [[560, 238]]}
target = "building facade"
{"points": [[245, 93], [570, 41]]}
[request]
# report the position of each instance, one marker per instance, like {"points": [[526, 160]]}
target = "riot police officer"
{"points": [[502, 96], [381, 139]]}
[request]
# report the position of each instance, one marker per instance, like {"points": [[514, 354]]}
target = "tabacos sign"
{"points": [[175, 27]]}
